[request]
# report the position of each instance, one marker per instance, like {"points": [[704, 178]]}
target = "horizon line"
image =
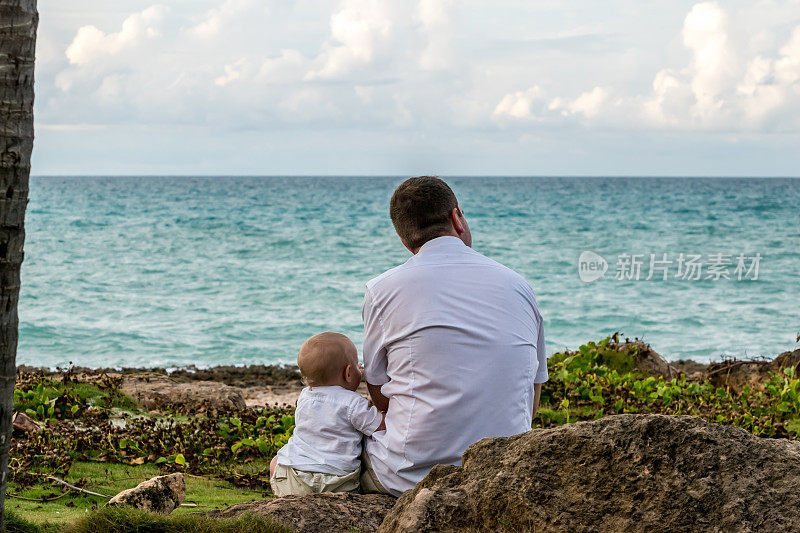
{"points": [[388, 175]]}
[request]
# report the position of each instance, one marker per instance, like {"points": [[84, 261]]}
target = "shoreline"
{"points": [[226, 387]]}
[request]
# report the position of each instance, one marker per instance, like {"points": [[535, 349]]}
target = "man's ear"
{"points": [[455, 219]]}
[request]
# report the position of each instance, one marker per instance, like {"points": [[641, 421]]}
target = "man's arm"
{"points": [[374, 352], [381, 401], [541, 356], [537, 392]]}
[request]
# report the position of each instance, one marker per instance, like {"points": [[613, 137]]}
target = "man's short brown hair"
{"points": [[420, 209]]}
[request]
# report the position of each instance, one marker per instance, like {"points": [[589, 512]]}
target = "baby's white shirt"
{"points": [[329, 425]]}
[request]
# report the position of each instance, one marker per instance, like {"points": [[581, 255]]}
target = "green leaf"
{"points": [[161, 460], [248, 442], [263, 446], [180, 459], [235, 447]]}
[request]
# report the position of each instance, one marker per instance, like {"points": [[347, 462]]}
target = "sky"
{"points": [[402, 87]]}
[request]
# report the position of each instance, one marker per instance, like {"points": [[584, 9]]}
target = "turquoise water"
{"points": [[145, 271]]}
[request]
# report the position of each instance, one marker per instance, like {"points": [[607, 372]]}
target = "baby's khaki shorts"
{"points": [[286, 481]]}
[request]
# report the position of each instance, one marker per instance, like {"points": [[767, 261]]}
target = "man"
{"points": [[453, 344]]}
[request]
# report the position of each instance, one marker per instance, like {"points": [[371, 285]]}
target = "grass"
{"points": [[208, 494], [17, 524], [127, 520], [124, 520]]}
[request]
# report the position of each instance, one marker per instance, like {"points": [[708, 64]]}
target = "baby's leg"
{"points": [[272, 465]]}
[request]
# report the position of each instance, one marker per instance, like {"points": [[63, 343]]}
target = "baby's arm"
{"points": [[366, 419]]}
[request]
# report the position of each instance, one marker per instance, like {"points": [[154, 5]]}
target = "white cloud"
{"points": [[360, 30], [289, 66], [588, 104], [787, 67], [719, 89], [422, 66], [533, 104], [436, 18], [90, 42], [216, 19], [522, 104], [701, 92], [714, 64], [232, 72]]}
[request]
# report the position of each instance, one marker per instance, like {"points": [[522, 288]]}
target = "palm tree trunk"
{"points": [[18, 22]]}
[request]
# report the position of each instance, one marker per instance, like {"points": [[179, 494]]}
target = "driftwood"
{"points": [[73, 487]]}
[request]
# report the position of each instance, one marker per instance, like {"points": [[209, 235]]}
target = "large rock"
{"points": [[620, 473], [156, 392], [162, 494], [325, 512]]}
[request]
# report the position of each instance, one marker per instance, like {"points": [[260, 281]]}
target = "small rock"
{"points": [[328, 511], [787, 360], [161, 494], [24, 423], [648, 361]]}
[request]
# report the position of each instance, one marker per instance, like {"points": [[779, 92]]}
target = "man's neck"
{"points": [[454, 234]]}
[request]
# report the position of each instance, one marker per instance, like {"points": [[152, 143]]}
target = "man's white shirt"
{"points": [[456, 341]]}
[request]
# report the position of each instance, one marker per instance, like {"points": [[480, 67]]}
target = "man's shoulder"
{"points": [[402, 271], [377, 281], [500, 269]]}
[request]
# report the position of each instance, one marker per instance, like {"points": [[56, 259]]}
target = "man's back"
{"points": [[456, 341]]}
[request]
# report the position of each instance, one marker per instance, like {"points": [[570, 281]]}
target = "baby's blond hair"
{"points": [[323, 356]]}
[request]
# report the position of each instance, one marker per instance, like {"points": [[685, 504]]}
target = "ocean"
{"points": [[176, 271]]}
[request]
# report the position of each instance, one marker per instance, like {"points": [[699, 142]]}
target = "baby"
{"points": [[323, 453]]}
